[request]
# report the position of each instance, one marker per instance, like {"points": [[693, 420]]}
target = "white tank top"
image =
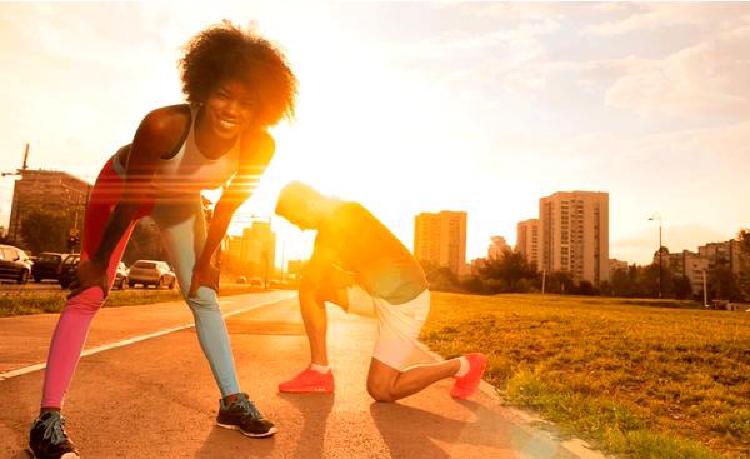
{"points": [[189, 171]]}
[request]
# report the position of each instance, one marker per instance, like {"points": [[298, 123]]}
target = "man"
{"points": [[361, 266]]}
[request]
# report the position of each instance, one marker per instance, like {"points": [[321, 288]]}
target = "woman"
{"points": [[237, 84]]}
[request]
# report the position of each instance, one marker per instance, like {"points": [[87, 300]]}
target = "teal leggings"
{"points": [[183, 230]]}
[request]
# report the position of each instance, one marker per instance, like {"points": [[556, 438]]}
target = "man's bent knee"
{"points": [[380, 391]]}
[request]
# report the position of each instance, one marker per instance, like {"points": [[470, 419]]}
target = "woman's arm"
{"points": [[156, 135], [257, 152]]}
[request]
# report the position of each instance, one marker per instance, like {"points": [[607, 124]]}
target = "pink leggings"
{"points": [[73, 326]]}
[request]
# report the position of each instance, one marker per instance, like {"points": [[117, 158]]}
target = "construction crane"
{"points": [[25, 164]]}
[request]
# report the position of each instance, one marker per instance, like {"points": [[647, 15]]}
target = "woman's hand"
{"points": [[90, 274], [206, 276]]}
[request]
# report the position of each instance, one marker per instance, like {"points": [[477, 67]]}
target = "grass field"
{"points": [[632, 378], [19, 302]]}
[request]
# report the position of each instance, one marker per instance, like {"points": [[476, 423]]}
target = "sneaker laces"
{"points": [[54, 430], [248, 407]]}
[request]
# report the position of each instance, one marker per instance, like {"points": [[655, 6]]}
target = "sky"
{"points": [[425, 106]]}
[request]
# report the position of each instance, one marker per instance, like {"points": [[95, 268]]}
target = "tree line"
{"points": [[511, 273]]}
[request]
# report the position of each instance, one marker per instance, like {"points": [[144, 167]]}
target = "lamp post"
{"points": [[658, 217], [705, 295]]}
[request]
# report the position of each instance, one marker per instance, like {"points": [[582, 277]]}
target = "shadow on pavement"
{"points": [[225, 443], [408, 432], [416, 433], [314, 409]]}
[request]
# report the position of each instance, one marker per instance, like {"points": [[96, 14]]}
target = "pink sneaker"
{"points": [[466, 385], [307, 381]]}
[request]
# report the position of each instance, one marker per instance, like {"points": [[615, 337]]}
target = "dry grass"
{"points": [[635, 379], [22, 302]]}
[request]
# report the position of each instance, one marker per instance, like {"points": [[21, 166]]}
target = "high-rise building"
{"points": [[258, 249], [527, 240], [440, 239], [497, 248], [729, 254], [574, 233], [686, 263], [52, 192]]}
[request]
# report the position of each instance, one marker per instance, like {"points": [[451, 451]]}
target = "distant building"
{"points": [[694, 267], [440, 239], [231, 249], [729, 254], [616, 265], [295, 268], [2, 231], [574, 233], [497, 248], [258, 249], [46, 191], [527, 240], [477, 265], [686, 263]]}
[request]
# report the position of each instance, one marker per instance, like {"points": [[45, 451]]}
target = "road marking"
{"points": [[129, 341]]}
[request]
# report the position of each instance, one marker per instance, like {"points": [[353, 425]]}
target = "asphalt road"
{"points": [[156, 397]]}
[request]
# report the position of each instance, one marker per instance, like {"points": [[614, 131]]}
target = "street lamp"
{"points": [[705, 294], [658, 217]]}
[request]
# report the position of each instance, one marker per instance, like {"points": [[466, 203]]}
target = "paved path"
{"points": [[156, 397]]}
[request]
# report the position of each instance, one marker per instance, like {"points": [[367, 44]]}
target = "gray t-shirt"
{"points": [[364, 246]]}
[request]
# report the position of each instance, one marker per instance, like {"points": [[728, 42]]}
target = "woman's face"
{"points": [[229, 109]]}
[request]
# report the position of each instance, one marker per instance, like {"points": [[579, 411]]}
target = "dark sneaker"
{"points": [[242, 415], [48, 440]]}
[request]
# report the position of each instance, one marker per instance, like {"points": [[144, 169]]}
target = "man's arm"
{"points": [[257, 154]]}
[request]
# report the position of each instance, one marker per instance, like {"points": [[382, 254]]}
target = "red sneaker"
{"points": [[468, 384], [308, 381]]}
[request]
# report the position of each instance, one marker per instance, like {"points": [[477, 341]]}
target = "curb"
{"points": [[574, 446]]}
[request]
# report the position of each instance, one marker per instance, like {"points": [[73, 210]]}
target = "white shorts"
{"points": [[397, 344]]}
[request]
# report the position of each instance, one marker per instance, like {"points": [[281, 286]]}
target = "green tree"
{"points": [[722, 284], [682, 287], [744, 237], [511, 269], [45, 232], [145, 243], [621, 283], [440, 277], [559, 282]]}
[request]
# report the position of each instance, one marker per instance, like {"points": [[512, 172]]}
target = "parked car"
{"points": [[14, 264], [121, 276], [47, 266], [68, 270], [69, 267], [152, 272]]}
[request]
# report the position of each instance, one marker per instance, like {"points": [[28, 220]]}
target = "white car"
{"points": [[151, 272]]}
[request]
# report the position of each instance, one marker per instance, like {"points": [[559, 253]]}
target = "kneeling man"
{"points": [[361, 266]]}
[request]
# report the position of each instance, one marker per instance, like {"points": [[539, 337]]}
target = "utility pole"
{"points": [[658, 217], [705, 294]]}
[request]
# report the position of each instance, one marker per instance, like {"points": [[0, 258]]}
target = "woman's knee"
{"points": [[88, 301], [204, 300]]}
